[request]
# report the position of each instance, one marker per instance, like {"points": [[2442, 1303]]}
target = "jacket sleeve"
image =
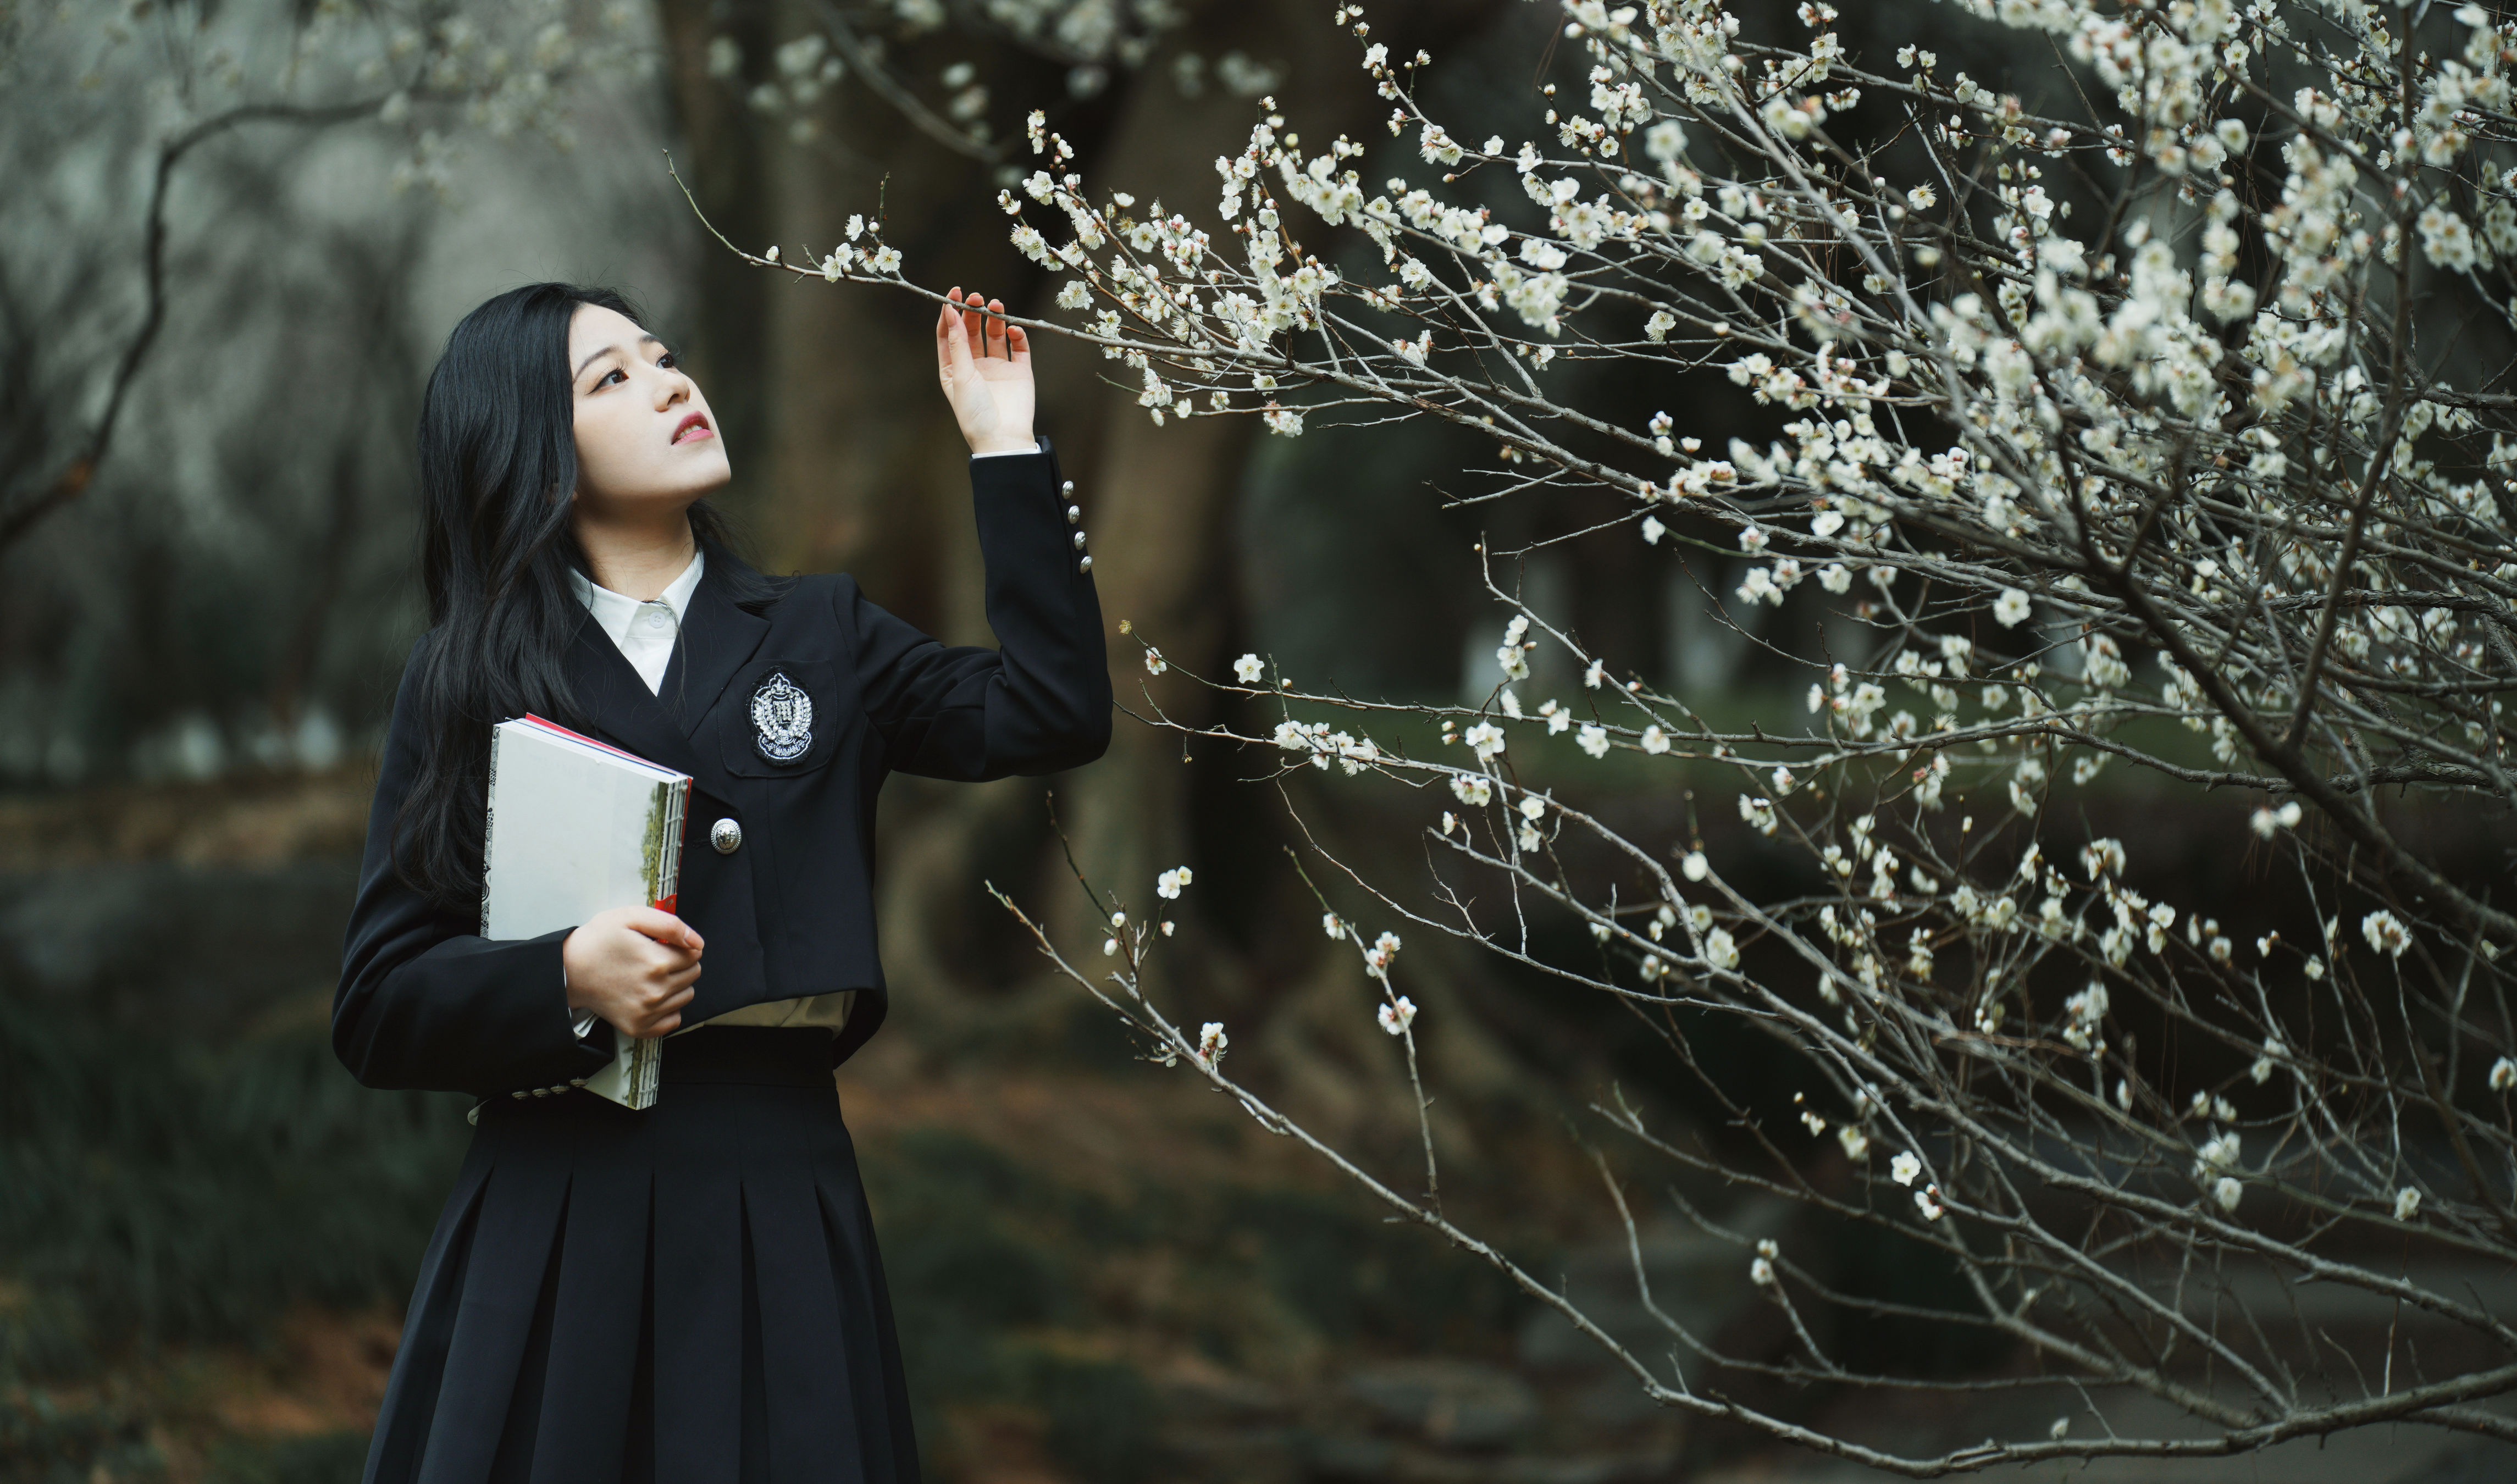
{"points": [[424, 1001], [1036, 703]]}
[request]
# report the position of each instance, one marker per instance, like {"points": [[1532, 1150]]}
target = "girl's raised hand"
{"points": [[984, 367]]}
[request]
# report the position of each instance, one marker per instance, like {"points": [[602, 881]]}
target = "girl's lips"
{"points": [[693, 433]]}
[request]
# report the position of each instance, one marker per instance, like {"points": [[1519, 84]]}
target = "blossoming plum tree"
{"points": [[2171, 414]]}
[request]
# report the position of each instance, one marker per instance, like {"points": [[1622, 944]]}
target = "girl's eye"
{"points": [[668, 359], [606, 378]]}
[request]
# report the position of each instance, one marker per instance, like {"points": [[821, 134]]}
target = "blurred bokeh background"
{"points": [[236, 234]]}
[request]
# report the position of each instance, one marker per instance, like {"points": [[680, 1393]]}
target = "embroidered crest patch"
{"points": [[782, 719]]}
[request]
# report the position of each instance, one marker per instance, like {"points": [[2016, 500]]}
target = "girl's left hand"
{"points": [[985, 365]]}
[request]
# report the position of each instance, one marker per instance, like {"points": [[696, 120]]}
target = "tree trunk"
{"points": [[1160, 500]]}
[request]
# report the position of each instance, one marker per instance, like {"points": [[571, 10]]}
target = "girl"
{"points": [[690, 1292]]}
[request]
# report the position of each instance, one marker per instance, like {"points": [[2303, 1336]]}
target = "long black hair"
{"points": [[497, 464]]}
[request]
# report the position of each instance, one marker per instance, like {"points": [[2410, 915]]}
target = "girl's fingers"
{"points": [[668, 1001], [659, 926], [953, 337], [974, 322], [985, 335]]}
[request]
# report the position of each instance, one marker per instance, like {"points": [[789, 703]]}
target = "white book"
{"points": [[576, 828]]}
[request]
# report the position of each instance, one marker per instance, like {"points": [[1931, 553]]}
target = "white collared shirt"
{"points": [[645, 632]]}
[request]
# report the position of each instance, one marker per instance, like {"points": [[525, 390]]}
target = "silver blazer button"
{"points": [[726, 835]]}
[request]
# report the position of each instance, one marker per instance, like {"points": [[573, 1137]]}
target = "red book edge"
{"points": [[666, 904]]}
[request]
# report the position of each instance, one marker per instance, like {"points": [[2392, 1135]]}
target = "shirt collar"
{"points": [[615, 611]]}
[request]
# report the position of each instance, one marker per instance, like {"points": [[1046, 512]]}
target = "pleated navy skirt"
{"points": [[688, 1294]]}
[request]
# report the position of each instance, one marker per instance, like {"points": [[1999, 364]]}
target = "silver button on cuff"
{"points": [[726, 835], [1084, 565], [1067, 487]]}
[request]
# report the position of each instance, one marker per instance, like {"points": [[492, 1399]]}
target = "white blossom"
{"points": [[2385, 933], [2447, 240]]}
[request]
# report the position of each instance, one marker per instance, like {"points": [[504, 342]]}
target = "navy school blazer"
{"points": [[425, 1001]]}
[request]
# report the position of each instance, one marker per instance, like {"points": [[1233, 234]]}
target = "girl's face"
{"points": [[645, 436]]}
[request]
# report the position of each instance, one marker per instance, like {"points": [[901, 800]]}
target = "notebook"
{"points": [[576, 828]]}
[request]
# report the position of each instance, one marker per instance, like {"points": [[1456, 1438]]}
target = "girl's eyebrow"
{"points": [[609, 349]]}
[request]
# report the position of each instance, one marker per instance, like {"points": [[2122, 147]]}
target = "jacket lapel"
{"points": [[619, 707], [716, 639]]}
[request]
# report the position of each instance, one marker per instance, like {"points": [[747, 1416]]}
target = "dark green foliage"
{"points": [[43, 1442], [1352, 1276], [989, 1258], [327, 1457], [961, 1267], [1100, 1414], [164, 1190]]}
